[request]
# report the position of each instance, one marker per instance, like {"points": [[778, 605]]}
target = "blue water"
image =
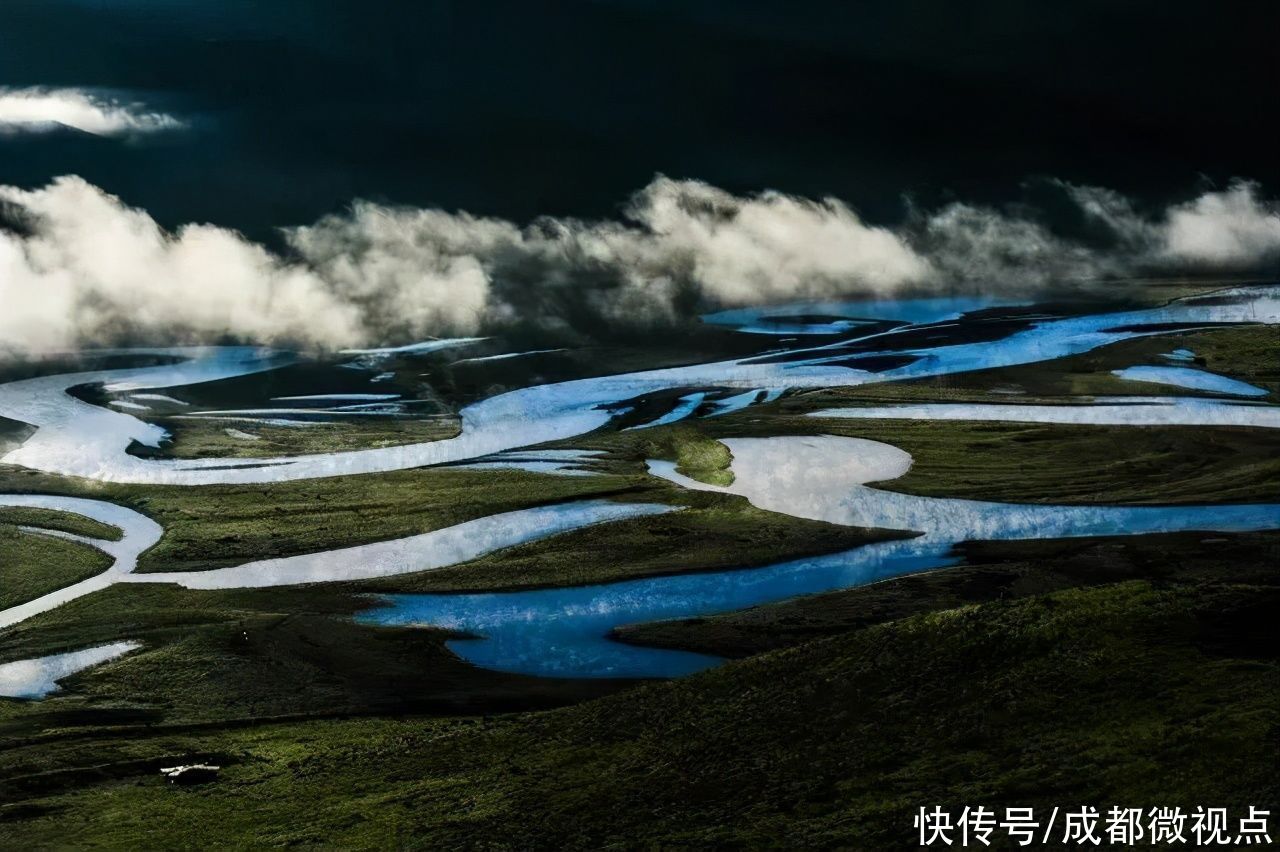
{"points": [[1186, 377], [564, 632]]}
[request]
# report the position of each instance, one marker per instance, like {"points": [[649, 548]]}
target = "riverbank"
{"points": [[1066, 696]]}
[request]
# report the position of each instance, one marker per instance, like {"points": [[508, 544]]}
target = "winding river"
{"points": [[74, 438], [565, 632], [435, 549]]}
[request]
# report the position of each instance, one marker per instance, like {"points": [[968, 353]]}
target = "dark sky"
{"points": [[565, 108]]}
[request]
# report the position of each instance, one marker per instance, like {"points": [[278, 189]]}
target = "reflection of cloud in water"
{"points": [[564, 462], [38, 677], [436, 549], [1185, 377], [1122, 411], [564, 632]]}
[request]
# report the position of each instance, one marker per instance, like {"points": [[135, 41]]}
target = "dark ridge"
{"points": [[59, 364], [876, 363], [246, 466], [93, 394], [806, 354], [922, 337], [810, 319], [1170, 326], [257, 390], [137, 449], [14, 433], [1216, 299], [649, 407], [962, 331]]}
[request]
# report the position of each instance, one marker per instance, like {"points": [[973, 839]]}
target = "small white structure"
{"points": [[196, 773]]}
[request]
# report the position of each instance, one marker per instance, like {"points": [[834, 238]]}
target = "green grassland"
{"points": [[695, 455], [54, 520], [1137, 671], [213, 526], [1146, 692], [1030, 463], [1017, 462], [196, 439], [223, 658], [218, 655], [714, 533], [1025, 463], [225, 525], [1143, 292], [32, 565]]}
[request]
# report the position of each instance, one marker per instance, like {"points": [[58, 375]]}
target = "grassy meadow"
{"points": [[1134, 671]]}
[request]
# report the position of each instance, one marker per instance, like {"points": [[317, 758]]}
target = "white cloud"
{"points": [[747, 250], [79, 265], [83, 266], [980, 245], [1229, 228], [39, 110], [412, 272], [438, 272]]}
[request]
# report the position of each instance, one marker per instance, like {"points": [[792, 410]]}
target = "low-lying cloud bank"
{"points": [[41, 110], [79, 266]]}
